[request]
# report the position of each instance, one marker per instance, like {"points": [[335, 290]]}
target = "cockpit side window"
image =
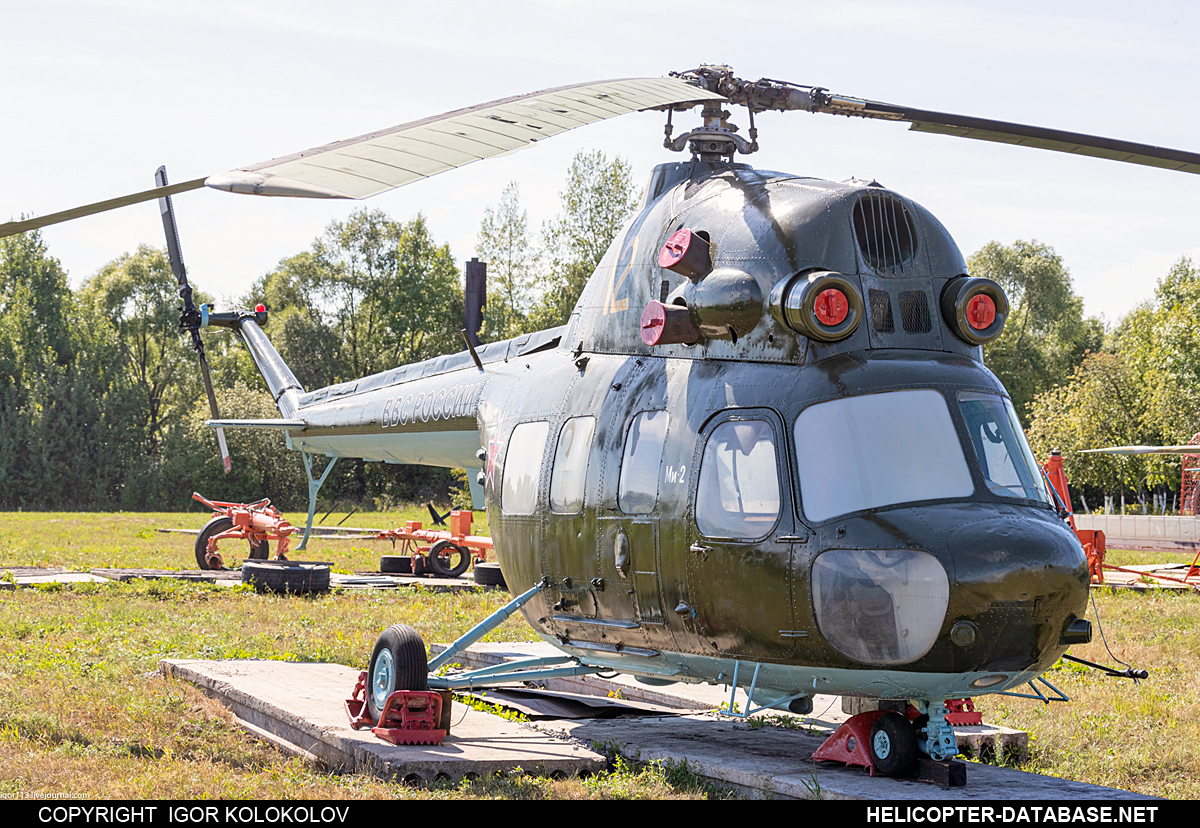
{"points": [[568, 477], [738, 492], [523, 468], [1005, 459], [637, 492]]}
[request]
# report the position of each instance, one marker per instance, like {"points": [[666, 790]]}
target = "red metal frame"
{"points": [[415, 540], [253, 522], [1093, 540]]}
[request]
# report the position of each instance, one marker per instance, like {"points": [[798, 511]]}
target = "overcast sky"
{"points": [[98, 93]]}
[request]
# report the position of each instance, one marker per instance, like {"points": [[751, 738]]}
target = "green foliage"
{"points": [[598, 199], [532, 288], [1103, 404], [1144, 389], [1046, 335], [504, 242]]}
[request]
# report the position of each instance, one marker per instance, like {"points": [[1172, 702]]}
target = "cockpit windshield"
{"points": [[1009, 469], [876, 450]]}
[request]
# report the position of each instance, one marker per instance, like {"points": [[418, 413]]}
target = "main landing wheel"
{"points": [[893, 745], [397, 663], [448, 560]]}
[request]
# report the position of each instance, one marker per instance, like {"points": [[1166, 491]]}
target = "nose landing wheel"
{"points": [[893, 745], [888, 744]]}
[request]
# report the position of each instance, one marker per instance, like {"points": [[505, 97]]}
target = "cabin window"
{"points": [[570, 465], [523, 468], [738, 493], [880, 606], [1005, 459], [876, 450], [637, 491]]}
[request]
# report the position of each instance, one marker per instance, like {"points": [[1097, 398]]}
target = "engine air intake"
{"points": [[821, 305], [885, 232]]}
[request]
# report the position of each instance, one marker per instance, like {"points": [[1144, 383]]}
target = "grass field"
{"points": [[85, 712]]}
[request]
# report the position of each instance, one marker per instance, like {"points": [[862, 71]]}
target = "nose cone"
{"points": [[1021, 579], [1015, 577]]}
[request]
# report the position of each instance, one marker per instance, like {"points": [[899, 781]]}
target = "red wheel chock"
{"points": [[850, 743], [963, 712], [356, 705], [409, 717]]}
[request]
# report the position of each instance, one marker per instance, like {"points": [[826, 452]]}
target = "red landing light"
{"points": [[981, 312], [831, 307], [675, 248]]}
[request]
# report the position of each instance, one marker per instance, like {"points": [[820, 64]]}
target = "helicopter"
{"points": [[763, 448]]}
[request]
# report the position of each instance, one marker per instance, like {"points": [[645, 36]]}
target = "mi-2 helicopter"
{"points": [[764, 450]]}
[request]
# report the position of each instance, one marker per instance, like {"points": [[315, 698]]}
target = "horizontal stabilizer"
{"points": [[282, 425], [1145, 450]]}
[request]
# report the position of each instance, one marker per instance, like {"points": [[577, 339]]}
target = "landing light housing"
{"points": [[821, 305], [975, 309]]}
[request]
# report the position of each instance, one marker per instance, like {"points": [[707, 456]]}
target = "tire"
{"points": [[489, 574], [893, 745], [297, 578], [395, 564], [260, 551], [214, 527], [447, 560], [398, 662]]}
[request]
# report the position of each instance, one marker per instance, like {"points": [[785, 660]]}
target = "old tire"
{"points": [[489, 574], [893, 745], [395, 564], [286, 577], [260, 551], [214, 527], [447, 560], [398, 662]]}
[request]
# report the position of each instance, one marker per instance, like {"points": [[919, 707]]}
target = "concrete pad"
{"points": [[771, 762], [986, 739], [300, 706]]}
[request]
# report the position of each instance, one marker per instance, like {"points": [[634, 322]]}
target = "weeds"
{"points": [[484, 706]]}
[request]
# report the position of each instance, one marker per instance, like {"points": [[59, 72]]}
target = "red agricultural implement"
{"points": [[256, 523], [1093, 540], [448, 552]]}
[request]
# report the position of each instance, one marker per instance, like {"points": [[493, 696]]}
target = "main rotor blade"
{"points": [[379, 161], [14, 227], [1003, 132]]}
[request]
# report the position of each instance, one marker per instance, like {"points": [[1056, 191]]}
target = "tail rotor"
{"points": [[190, 317]]}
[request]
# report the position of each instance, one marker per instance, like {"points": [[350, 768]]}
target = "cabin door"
{"points": [[743, 536]]}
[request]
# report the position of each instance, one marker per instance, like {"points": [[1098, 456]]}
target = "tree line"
{"points": [[101, 404]]}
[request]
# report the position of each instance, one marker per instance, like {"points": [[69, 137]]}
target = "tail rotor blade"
{"points": [[216, 414], [189, 318]]}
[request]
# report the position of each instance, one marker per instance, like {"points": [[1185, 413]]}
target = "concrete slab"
{"points": [[771, 762], [29, 576], [300, 708], [984, 740]]}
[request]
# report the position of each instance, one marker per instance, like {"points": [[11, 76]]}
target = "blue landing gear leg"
{"points": [[314, 486], [936, 740]]}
